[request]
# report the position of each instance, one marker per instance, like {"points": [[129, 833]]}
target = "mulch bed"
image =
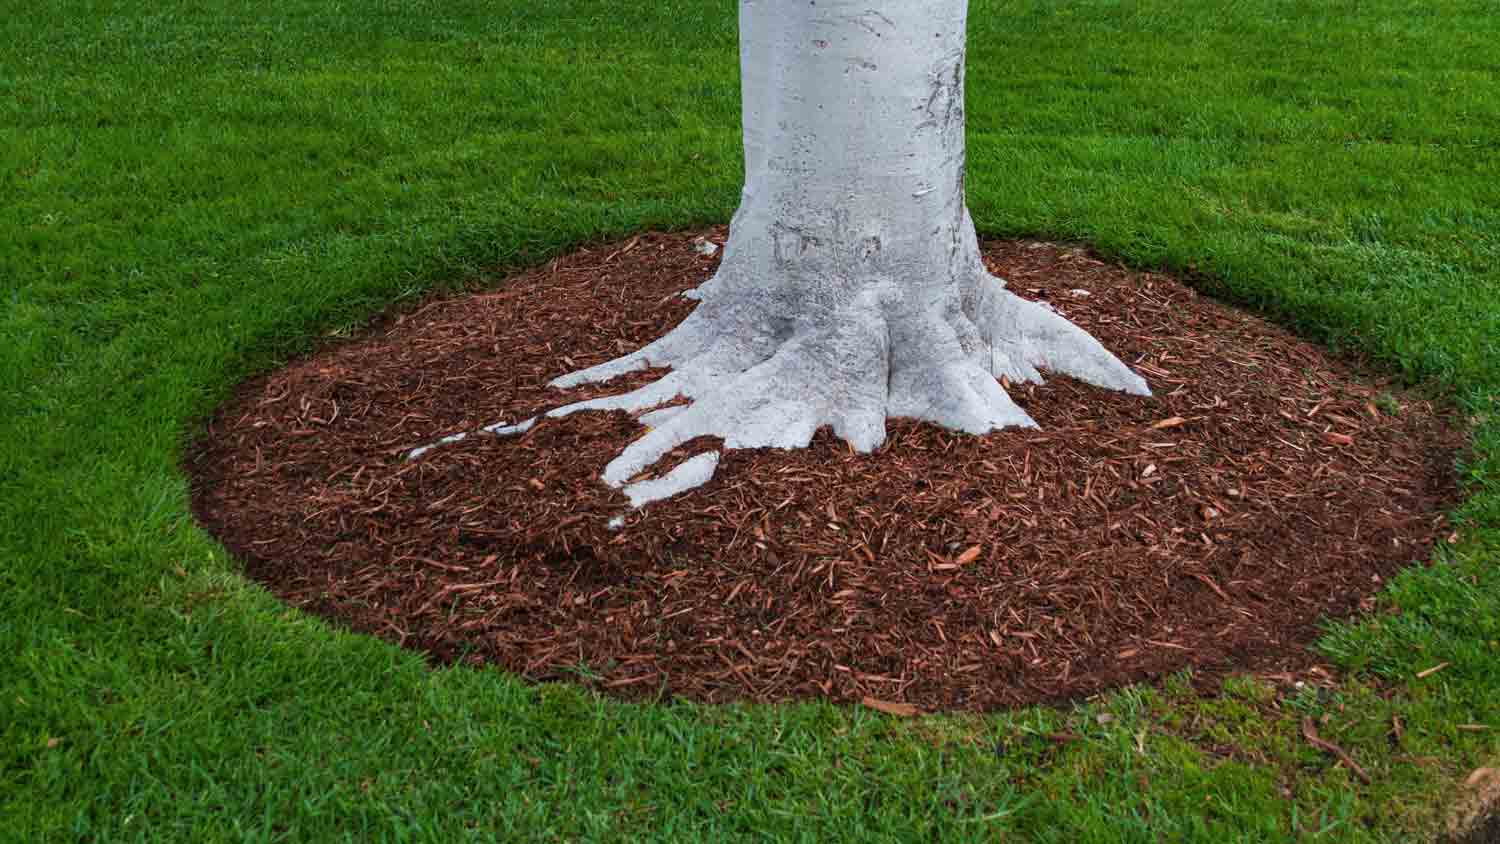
{"points": [[1264, 487]]}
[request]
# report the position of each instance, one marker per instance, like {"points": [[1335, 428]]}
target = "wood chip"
{"points": [[1480, 775], [1425, 673], [904, 710]]}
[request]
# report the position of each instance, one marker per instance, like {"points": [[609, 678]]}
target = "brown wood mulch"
{"points": [[1264, 487]]}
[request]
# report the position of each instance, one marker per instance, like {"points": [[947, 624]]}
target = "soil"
{"points": [[1265, 487]]}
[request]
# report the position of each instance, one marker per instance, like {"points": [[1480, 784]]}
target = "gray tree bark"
{"points": [[851, 288]]}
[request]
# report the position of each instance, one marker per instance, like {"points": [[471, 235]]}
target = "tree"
{"points": [[851, 288]]}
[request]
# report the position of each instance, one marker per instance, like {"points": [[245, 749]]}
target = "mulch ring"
{"points": [[1264, 487]]}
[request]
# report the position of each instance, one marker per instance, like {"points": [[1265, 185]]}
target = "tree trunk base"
{"points": [[875, 357]]}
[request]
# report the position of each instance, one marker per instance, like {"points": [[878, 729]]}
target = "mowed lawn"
{"points": [[192, 192]]}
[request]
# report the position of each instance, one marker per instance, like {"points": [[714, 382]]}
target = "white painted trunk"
{"points": [[851, 288]]}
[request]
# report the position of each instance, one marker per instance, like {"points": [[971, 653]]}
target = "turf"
{"points": [[192, 192]]}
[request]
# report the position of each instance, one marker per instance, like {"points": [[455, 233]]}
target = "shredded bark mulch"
{"points": [[1265, 486]]}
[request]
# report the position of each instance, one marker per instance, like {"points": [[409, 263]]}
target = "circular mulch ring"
{"points": [[1262, 488]]}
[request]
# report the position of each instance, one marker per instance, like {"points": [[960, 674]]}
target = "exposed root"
{"points": [[693, 472], [754, 383], [499, 429], [937, 366], [959, 395], [1013, 338]]}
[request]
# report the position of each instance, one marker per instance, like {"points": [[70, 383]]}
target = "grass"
{"points": [[192, 192]]}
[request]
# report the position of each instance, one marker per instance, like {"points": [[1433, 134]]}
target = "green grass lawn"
{"points": [[192, 192]]}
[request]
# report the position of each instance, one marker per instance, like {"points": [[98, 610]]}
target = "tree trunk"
{"points": [[851, 288]]}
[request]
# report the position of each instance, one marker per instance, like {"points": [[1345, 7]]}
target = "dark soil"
{"points": [[1266, 486]]}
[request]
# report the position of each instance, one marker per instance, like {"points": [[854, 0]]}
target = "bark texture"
{"points": [[851, 288]]}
